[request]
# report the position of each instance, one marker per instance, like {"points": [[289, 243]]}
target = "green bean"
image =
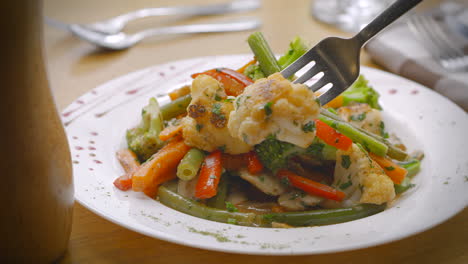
{"points": [[307, 218], [393, 152], [356, 136], [413, 167], [184, 205], [263, 54], [190, 164], [219, 201], [176, 107], [324, 216], [403, 186]]}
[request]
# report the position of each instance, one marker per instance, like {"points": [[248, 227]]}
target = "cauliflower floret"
{"points": [[205, 126], [361, 178], [363, 116], [274, 105]]}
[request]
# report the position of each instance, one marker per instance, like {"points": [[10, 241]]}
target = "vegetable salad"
{"points": [[248, 147]]}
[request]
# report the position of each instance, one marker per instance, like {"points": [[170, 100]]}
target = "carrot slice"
{"points": [[312, 187], [159, 168], [130, 163], [254, 166], [242, 69], [336, 102], [124, 182], [182, 91], [393, 170], [210, 174], [170, 131], [331, 136]]}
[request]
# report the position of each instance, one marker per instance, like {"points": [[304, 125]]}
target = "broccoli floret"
{"points": [[297, 48], [275, 154], [254, 72], [361, 92], [144, 138]]}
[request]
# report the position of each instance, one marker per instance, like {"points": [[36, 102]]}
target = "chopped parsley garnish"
{"points": [[359, 117], [346, 185], [316, 149], [229, 99], [345, 161], [382, 130], [222, 148], [317, 100], [389, 168], [267, 108], [231, 208], [309, 127], [285, 181], [198, 127], [297, 195], [216, 110], [217, 97]]}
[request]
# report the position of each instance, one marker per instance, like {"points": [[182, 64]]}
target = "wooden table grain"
{"points": [[75, 67]]}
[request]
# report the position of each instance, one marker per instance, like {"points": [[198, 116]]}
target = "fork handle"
{"points": [[390, 14]]}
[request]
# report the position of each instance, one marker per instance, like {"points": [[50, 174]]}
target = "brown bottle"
{"points": [[36, 187]]}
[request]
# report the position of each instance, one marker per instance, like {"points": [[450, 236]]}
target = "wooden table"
{"points": [[75, 67]]}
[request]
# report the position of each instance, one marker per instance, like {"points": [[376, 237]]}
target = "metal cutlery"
{"points": [[338, 59], [122, 40], [438, 43], [116, 24]]}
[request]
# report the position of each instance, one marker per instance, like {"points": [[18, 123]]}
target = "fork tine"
{"points": [[298, 64], [320, 83], [309, 74]]}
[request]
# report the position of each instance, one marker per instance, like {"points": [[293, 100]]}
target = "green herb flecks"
{"points": [[346, 185], [198, 127], [345, 161], [359, 117], [230, 207], [309, 127], [267, 108]]}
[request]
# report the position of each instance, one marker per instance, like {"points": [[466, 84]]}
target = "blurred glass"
{"points": [[348, 15]]}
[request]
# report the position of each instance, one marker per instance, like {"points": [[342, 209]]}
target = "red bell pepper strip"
{"points": [[312, 187], [210, 174], [254, 166], [331, 136]]}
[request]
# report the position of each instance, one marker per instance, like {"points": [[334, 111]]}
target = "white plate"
{"points": [[97, 121]]}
